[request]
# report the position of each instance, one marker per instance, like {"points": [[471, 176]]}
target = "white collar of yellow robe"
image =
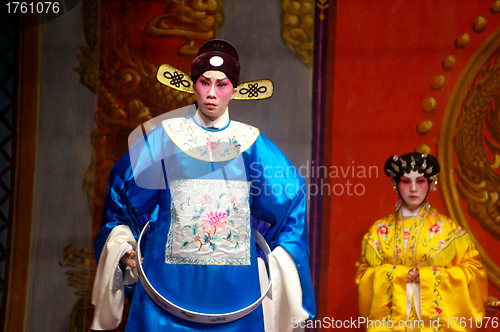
{"points": [[178, 80], [405, 212]]}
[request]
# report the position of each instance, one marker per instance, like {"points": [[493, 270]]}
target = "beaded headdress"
{"points": [[395, 167]]}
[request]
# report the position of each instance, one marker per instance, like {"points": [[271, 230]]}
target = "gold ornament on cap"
{"points": [[178, 80]]}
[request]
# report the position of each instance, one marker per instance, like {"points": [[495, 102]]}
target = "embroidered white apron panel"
{"points": [[210, 222]]}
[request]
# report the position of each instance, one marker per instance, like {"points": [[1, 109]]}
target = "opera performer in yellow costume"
{"points": [[419, 270]]}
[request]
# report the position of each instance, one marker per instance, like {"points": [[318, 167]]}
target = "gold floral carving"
{"points": [[124, 80], [78, 278], [128, 93], [297, 27], [470, 146], [200, 16]]}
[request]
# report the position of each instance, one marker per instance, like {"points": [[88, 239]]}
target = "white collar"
{"points": [[405, 212], [205, 122]]}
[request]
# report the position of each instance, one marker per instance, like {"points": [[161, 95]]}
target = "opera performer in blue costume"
{"points": [[201, 182]]}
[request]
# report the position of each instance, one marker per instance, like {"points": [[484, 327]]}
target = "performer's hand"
{"points": [[413, 276], [128, 258]]}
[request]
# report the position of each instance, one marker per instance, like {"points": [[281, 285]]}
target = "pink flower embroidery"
{"points": [[383, 230], [212, 145], [214, 220], [441, 243], [438, 310], [412, 247], [389, 304], [435, 269], [398, 251], [234, 199], [376, 244], [460, 229], [206, 199], [436, 229], [407, 235]]}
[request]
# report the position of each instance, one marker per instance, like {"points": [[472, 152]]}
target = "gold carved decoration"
{"points": [[123, 77], [78, 278], [297, 27], [200, 16], [469, 149]]}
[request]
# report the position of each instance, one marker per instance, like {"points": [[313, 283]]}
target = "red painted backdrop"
{"points": [[382, 57]]}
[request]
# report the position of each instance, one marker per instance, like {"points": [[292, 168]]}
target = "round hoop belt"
{"points": [[192, 315]]}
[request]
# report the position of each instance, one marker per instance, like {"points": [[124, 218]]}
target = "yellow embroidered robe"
{"points": [[453, 282]]}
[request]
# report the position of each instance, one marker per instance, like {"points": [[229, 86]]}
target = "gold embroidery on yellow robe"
{"points": [[453, 282]]}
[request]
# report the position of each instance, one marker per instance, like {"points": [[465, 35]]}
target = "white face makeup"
{"points": [[213, 92], [413, 189]]}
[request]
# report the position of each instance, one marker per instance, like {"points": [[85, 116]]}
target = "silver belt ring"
{"points": [[193, 315]]}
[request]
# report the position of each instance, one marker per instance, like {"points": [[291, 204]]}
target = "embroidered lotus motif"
{"points": [[212, 145], [212, 221], [407, 235]]}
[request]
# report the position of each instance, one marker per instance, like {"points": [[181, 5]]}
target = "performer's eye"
{"points": [[222, 85], [204, 83]]}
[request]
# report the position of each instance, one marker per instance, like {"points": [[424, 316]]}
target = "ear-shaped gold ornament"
{"points": [[174, 78], [178, 80], [255, 90]]}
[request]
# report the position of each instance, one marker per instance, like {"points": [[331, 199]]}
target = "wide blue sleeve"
{"points": [[279, 198], [132, 195]]}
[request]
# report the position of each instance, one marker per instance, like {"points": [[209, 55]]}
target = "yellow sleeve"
{"points": [[455, 294], [382, 294]]}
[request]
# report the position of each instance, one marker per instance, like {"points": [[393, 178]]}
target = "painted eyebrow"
{"points": [[218, 80], [405, 177]]}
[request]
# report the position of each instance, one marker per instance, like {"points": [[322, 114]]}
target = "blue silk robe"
{"points": [[201, 186]]}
